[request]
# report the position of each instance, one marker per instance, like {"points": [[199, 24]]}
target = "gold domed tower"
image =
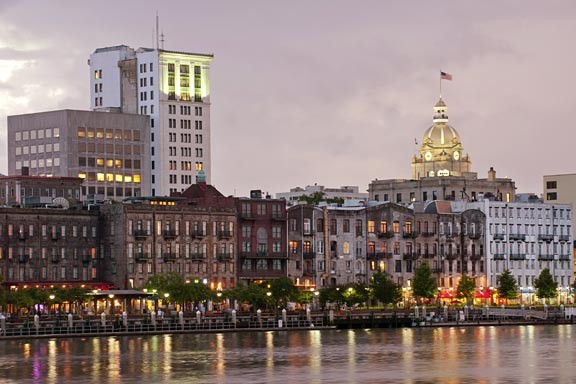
{"points": [[441, 150]]}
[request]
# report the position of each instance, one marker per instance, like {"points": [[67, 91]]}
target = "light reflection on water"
{"points": [[530, 354]]}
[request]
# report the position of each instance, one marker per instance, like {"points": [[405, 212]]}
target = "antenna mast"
{"points": [[157, 22]]}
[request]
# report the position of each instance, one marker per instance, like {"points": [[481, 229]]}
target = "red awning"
{"points": [[446, 294], [485, 293]]}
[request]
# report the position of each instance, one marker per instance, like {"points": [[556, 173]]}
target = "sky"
{"points": [[330, 92]]}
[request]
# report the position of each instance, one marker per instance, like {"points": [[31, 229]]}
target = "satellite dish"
{"points": [[61, 202]]}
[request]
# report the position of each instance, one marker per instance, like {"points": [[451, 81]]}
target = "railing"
{"points": [[261, 273], [564, 257], [474, 235], [517, 256], [170, 257], [546, 257], [55, 235], [224, 235], [428, 234], [308, 255], [499, 256], [23, 259], [86, 259], [21, 236], [141, 257], [197, 234], [385, 235], [140, 234], [55, 259], [517, 236], [498, 236], [564, 238], [410, 235], [224, 256], [169, 234], [198, 256], [545, 237]]}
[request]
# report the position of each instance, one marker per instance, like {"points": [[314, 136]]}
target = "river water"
{"points": [[501, 354]]}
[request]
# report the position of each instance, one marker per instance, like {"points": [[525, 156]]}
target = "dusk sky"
{"points": [[329, 92]]}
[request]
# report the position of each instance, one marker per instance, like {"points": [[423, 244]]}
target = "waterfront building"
{"points": [[262, 238], [526, 238], [50, 247], [109, 151], [442, 171], [344, 193], [173, 89], [154, 235], [39, 191]]}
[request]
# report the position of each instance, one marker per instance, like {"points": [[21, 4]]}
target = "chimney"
{"points": [[491, 174]]}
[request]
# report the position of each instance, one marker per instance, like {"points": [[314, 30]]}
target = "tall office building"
{"points": [[173, 88]]}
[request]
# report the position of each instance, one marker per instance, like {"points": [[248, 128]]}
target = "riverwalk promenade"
{"points": [[179, 322]]}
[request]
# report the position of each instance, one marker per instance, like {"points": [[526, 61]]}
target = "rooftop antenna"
{"points": [[157, 22], [162, 40]]}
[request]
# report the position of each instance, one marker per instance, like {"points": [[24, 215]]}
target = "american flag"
{"points": [[445, 76]]}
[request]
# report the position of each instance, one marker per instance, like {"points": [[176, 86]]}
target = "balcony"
{"points": [[308, 255], [383, 255], [499, 256], [451, 256], [564, 238], [198, 256], [55, 259], [517, 236], [564, 257], [23, 259], [169, 234], [546, 257], [408, 256], [437, 270], [410, 235], [517, 256], [309, 233], [22, 236], [140, 234], [309, 272], [198, 234], [247, 216], [545, 237], [475, 257], [385, 235], [474, 235], [224, 256], [224, 235], [498, 236], [141, 257], [169, 257], [261, 253], [428, 234], [86, 259], [55, 235]]}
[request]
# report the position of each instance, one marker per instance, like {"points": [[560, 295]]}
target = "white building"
{"points": [[345, 192], [173, 88], [527, 238]]}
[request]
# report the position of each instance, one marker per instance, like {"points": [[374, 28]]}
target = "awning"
{"points": [[485, 293], [446, 294]]}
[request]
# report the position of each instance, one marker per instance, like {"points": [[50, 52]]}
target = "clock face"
{"points": [[456, 155], [428, 156]]}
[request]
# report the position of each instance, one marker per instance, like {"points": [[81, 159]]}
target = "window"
{"points": [[551, 185], [551, 196], [346, 225], [370, 226]]}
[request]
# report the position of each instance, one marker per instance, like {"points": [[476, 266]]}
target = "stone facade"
{"points": [[47, 247]]}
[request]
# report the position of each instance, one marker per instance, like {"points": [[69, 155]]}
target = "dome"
{"points": [[441, 134]]}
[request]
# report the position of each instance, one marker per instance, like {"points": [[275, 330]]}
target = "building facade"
{"points": [[262, 238], [39, 191], [173, 89], [50, 247], [109, 151], [157, 235]]}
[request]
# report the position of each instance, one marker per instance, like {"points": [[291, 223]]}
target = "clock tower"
{"points": [[441, 153]]}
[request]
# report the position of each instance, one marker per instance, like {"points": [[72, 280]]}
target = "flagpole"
{"points": [[440, 83]]}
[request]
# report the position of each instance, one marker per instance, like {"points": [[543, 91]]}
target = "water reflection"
{"points": [[449, 355]]}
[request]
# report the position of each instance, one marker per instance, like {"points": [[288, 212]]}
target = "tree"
{"points": [[545, 285], [355, 294], [424, 285], [466, 288], [317, 197], [383, 289], [330, 295], [254, 294], [283, 290], [507, 286]]}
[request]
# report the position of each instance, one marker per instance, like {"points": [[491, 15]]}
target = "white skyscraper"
{"points": [[173, 88]]}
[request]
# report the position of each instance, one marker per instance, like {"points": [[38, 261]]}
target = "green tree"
{"points": [[545, 285], [507, 286], [383, 289], [330, 295], [424, 285], [254, 294], [283, 290], [466, 288], [317, 197], [354, 294]]}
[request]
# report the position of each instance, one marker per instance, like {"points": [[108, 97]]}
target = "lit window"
{"points": [[100, 176], [136, 178], [127, 179], [109, 177], [82, 175], [110, 163], [119, 178], [100, 162]]}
